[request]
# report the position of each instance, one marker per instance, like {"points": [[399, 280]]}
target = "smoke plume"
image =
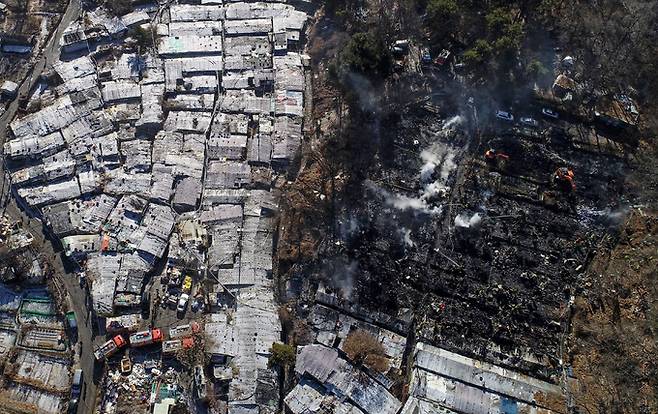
{"points": [[463, 220]]}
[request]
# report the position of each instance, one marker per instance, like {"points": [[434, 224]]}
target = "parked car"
{"points": [[531, 122], [182, 302], [200, 382], [187, 284], [197, 305], [442, 58], [71, 321], [172, 301], [549, 113], [505, 116], [400, 47], [76, 388], [425, 56], [82, 277]]}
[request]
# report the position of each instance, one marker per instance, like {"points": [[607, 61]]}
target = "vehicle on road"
{"points": [[425, 56], [126, 364], [549, 113], [200, 382], [505, 116], [144, 338], [110, 347], [531, 122], [187, 284], [72, 322], [172, 300], [76, 388], [443, 57], [182, 302], [82, 277], [400, 47]]}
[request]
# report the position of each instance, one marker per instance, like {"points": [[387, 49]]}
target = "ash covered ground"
{"points": [[485, 257]]}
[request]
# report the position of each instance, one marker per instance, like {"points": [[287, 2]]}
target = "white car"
{"points": [[531, 122], [549, 113], [200, 382], [182, 302], [505, 116]]}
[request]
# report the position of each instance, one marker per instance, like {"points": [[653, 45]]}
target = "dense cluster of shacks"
{"points": [[131, 150], [34, 352]]}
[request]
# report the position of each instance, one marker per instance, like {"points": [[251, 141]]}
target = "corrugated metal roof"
{"points": [[188, 193], [33, 146], [247, 27], [121, 90], [190, 44], [227, 174], [189, 12], [221, 213], [183, 121], [324, 365], [50, 193], [466, 385], [76, 68], [247, 45], [198, 28]]}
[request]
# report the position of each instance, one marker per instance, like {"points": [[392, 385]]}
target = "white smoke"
{"points": [[342, 275], [348, 227], [400, 201], [455, 121], [608, 216], [438, 165], [463, 220], [403, 202], [437, 155]]}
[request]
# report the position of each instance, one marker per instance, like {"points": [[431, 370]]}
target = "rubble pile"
{"points": [[139, 389], [18, 260], [478, 235]]}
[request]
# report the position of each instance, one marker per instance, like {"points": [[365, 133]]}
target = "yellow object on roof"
{"points": [[187, 284]]}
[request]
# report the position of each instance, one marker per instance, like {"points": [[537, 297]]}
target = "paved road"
{"points": [[78, 297]]}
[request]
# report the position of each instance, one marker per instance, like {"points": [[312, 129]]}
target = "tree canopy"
{"points": [[443, 16], [282, 356]]}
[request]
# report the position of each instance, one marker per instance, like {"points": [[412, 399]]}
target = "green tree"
{"points": [[478, 54], [333, 7], [535, 69], [366, 54], [498, 20], [143, 37], [503, 30], [281, 355], [505, 46], [443, 16]]}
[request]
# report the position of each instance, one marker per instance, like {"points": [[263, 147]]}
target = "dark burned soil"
{"points": [[396, 209]]}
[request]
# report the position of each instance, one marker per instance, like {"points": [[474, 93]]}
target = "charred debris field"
{"points": [[447, 214], [486, 259]]}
